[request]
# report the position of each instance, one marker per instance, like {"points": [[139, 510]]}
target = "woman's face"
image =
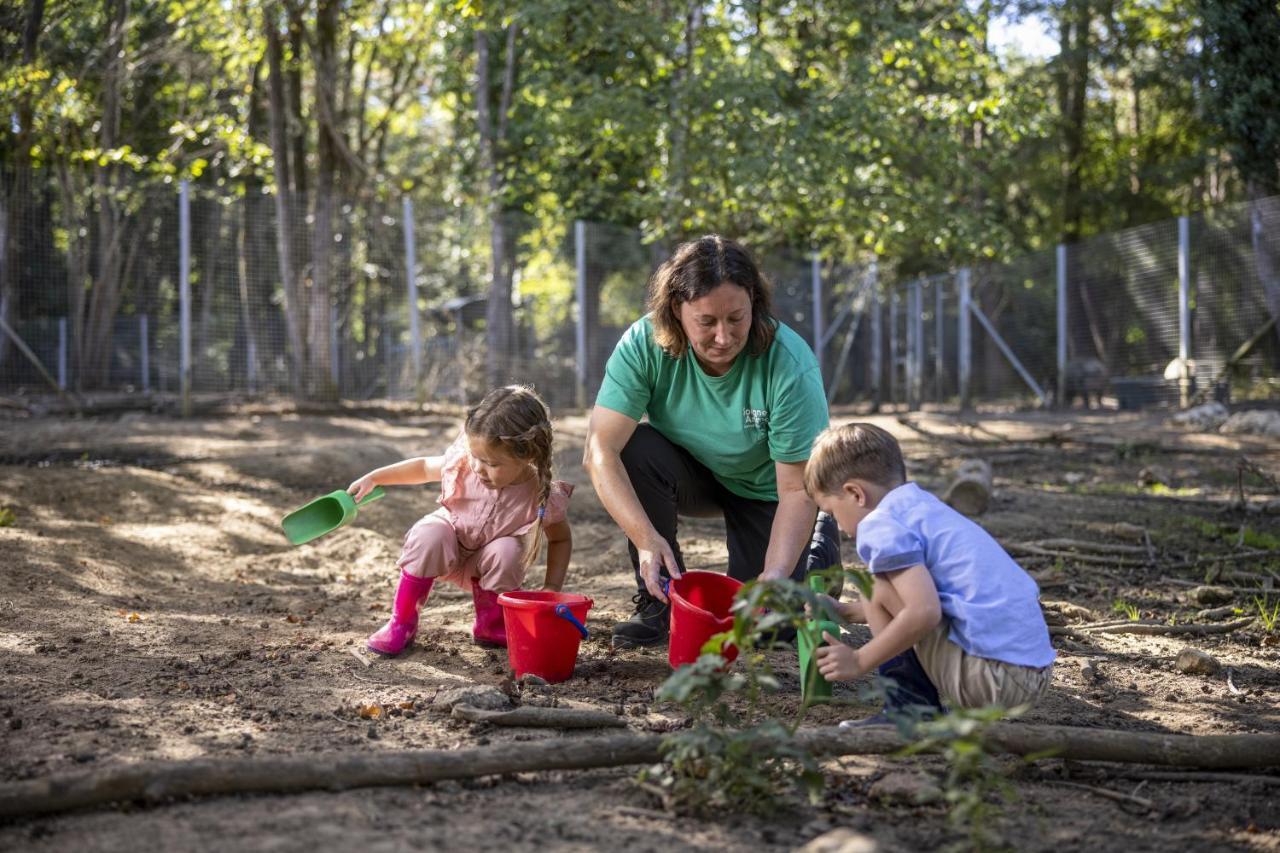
{"points": [[717, 326]]}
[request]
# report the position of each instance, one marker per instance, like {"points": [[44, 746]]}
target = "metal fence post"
{"points": [[144, 347], [939, 336], [877, 343], [819, 321], [184, 296], [580, 293], [411, 283], [893, 347], [1184, 311], [1062, 323], [964, 343], [909, 345], [917, 353], [62, 353], [335, 369]]}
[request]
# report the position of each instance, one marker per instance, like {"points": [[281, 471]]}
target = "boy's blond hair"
{"points": [[853, 451]]}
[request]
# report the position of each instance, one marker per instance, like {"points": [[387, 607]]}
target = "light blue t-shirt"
{"points": [[992, 603]]}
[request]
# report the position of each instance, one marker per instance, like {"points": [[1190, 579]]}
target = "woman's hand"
{"points": [[848, 611], [361, 487], [826, 606], [655, 555], [836, 661]]}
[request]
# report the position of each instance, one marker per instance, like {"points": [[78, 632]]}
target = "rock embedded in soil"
{"points": [[480, 696], [1211, 595], [1195, 662], [901, 787], [841, 840]]}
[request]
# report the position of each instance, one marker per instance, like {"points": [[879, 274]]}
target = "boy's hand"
{"points": [[836, 661], [361, 487]]}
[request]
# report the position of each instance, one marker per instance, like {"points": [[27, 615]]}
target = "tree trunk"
{"points": [[212, 227], [1073, 92], [295, 309], [970, 489], [320, 383], [16, 220], [498, 317], [94, 342], [1264, 252]]}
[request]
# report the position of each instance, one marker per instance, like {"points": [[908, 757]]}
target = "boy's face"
{"points": [[849, 505]]}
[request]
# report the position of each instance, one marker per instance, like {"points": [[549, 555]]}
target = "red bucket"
{"points": [[543, 631], [700, 603]]}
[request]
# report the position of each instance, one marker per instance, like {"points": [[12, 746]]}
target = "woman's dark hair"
{"points": [[697, 268]]}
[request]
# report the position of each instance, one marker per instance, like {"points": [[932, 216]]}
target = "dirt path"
{"points": [[152, 609]]}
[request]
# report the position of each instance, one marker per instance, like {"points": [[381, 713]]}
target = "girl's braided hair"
{"points": [[515, 418]]}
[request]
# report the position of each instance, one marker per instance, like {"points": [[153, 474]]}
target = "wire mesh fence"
{"points": [[150, 287]]}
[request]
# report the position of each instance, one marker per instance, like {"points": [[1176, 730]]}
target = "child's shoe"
{"points": [[395, 636], [909, 693], [490, 628]]}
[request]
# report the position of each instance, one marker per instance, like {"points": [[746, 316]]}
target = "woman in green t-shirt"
{"points": [[734, 400]]}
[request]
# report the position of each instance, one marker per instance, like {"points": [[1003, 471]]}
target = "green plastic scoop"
{"points": [[324, 514], [813, 687]]}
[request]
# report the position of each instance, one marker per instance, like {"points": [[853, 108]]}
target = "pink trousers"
{"points": [[431, 550]]}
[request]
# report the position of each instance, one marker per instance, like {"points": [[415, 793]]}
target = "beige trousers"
{"points": [[966, 681]]}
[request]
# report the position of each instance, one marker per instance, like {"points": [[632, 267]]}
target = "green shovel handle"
{"points": [[375, 494]]}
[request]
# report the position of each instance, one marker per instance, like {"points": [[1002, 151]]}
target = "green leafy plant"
{"points": [[730, 759], [7, 517], [1129, 610], [1269, 616], [976, 788]]}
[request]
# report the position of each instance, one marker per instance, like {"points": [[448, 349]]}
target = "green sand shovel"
{"points": [[813, 687], [324, 514]]}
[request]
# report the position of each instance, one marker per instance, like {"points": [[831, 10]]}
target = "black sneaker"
{"points": [[648, 626]]}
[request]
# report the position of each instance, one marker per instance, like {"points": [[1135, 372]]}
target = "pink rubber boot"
{"points": [[395, 636], [490, 628]]}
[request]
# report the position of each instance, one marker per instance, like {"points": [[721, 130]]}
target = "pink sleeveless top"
{"points": [[480, 514]]}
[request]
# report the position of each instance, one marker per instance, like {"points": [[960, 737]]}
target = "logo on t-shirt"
{"points": [[755, 419]]}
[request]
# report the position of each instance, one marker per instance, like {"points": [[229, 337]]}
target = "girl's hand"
{"points": [[836, 661], [361, 487], [654, 557]]}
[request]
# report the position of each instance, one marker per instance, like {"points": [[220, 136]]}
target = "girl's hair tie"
{"points": [[542, 511]]}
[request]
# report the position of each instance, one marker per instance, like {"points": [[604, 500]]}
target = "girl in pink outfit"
{"points": [[497, 503]]}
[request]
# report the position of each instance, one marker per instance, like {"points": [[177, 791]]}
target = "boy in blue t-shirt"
{"points": [[950, 611]]}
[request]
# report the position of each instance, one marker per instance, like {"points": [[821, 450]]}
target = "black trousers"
{"points": [[670, 483]]}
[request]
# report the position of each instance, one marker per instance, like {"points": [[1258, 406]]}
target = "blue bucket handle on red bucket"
{"points": [[563, 611], [666, 587]]}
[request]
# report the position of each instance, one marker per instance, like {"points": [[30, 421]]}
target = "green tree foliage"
{"points": [[890, 130]]}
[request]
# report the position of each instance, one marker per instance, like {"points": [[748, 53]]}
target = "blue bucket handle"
{"points": [[666, 587], [563, 611]]}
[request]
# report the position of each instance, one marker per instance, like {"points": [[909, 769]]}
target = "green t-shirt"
{"points": [[766, 409]]}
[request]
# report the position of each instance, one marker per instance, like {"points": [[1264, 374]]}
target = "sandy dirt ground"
{"points": [[152, 609]]}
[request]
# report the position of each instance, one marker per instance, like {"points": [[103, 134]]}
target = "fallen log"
{"points": [[535, 717], [1189, 776], [158, 781], [1033, 550], [1216, 612], [970, 489], [1085, 545], [1157, 629], [1126, 799]]}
